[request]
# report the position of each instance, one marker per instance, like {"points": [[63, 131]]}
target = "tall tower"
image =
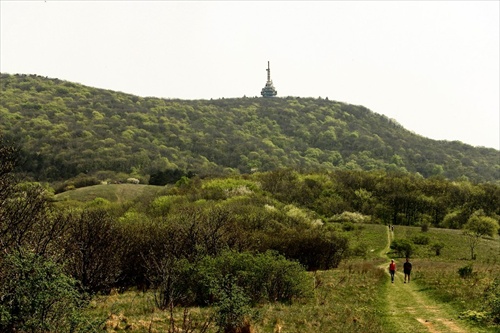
{"points": [[268, 90]]}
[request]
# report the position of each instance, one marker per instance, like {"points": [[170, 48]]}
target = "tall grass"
{"points": [[347, 299], [441, 277], [455, 245], [468, 294]]}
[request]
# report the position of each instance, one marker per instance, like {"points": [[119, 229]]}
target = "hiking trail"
{"points": [[409, 309]]}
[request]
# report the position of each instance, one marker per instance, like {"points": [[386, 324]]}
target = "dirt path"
{"points": [[410, 310]]}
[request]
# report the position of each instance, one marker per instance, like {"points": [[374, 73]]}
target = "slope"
{"points": [[410, 310], [66, 129]]}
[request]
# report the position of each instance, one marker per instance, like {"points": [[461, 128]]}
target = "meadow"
{"points": [[355, 297], [119, 193]]}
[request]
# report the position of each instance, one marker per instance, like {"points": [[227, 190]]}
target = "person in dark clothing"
{"points": [[407, 269]]}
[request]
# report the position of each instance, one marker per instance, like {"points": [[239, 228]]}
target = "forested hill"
{"points": [[65, 129]]}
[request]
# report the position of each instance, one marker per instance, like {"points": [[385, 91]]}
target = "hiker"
{"points": [[407, 269], [392, 269]]}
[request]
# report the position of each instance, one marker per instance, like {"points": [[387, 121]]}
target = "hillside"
{"points": [[66, 129], [112, 192]]}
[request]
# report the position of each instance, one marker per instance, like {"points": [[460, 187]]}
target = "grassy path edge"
{"points": [[408, 309]]}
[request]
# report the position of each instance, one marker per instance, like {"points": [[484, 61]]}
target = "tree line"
{"points": [[200, 240], [186, 248]]}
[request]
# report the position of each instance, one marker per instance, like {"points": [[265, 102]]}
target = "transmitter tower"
{"points": [[268, 90]]}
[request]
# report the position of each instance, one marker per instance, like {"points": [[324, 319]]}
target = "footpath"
{"points": [[410, 310]]}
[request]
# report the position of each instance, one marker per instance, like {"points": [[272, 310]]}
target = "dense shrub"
{"points": [[171, 279], [232, 306], [437, 247], [403, 247], [79, 181], [169, 176], [466, 272], [36, 296], [353, 217], [492, 298], [420, 239], [315, 248], [92, 247], [266, 277]]}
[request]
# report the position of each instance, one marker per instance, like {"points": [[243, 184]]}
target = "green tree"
{"points": [[36, 296], [403, 247], [477, 227]]}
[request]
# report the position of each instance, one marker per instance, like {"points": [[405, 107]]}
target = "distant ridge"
{"points": [[66, 129]]}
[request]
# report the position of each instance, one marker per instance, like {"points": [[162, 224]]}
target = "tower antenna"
{"points": [[268, 90]]}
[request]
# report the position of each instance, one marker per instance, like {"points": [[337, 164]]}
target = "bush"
{"points": [[492, 297], [79, 181], [267, 277], [318, 248], [170, 279], [94, 249], [466, 271], [403, 247], [232, 306], [348, 226], [437, 247], [420, 239], [353, 217], [36, 295], [476, 316]]}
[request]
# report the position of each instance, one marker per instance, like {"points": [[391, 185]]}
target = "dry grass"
{"points": [[351, 298], [345, 300], [445, 283]]}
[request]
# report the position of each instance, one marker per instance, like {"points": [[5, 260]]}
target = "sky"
{"points": [[433, 66]]}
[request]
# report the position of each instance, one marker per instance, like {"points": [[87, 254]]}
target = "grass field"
{"points": [[345, 300], [356, 297], [455, 245], [113, 192]]}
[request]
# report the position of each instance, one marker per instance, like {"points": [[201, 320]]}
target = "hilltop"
{"points": [[65, 129]]}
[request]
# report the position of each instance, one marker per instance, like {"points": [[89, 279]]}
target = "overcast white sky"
{"points": [[431, 65]]}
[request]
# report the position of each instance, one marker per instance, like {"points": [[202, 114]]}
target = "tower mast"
{"points": [[268, 90], [268, 72]]}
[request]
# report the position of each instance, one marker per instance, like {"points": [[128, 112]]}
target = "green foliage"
{"points": [[466, 272], [66, 129], [480, 225], [340, 296], [168, 176], [476, 316], [492, 298], [477, 226], [424, 227], [315, 248], [266, 277], [232, 306], [403, 247], [420, 239], [77, 182], [353, 217], [36, 295], [92, 248], [437, 247], [170, 279], [161, 205]]}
